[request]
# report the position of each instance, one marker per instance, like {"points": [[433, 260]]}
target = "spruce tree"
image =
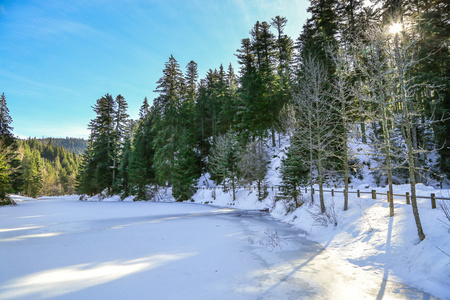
{"points": [[167, 124], [5, 120], [141, 170], [31, 173], [120, 132], [10, 175], [186, 169], [4, 176], [284, 53], [145, 108], [98, 164], [294, 172]]}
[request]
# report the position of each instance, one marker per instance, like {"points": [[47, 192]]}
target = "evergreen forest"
{"points": [[74, 145], [46, 169], [33, 167]]}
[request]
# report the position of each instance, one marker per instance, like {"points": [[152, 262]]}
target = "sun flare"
{"points": [[395, 28]]}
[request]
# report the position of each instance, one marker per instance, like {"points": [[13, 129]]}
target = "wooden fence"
{"points": [[374, 193]]}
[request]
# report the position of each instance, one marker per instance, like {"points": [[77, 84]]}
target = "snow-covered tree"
{"points": [[253, 164], [224, 161]]}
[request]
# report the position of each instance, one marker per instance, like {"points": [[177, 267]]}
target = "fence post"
{"points": [[433, 200], [388, 196], [272, 188], [312, 191], [306, 190], [407, 198], [374, 194], [358, 193], [332, 192]]}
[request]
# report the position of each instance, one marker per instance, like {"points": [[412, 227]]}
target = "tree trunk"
{"points": [[320, 179], [363, 132], [407, 130], [274, 142], [415, 147]]}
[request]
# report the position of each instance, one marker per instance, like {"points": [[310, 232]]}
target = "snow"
{"points": [[63, 248], [365, 235], [368, 238]]}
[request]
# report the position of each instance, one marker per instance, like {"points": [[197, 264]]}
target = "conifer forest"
{"points": [[379, 73]]}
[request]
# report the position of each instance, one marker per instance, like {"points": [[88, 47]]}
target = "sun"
{"points": [[395, 28]]}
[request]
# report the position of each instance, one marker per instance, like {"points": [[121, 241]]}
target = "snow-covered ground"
{"points": [[62, 248]]}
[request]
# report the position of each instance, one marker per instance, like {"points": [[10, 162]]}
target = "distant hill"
{"points": [[74, 145]]}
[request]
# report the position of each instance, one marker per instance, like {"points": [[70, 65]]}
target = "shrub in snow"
{"points": [[7, 201], [270, 240], [150, 193], [445, 206], [103, 195], [325, 218], [83, 197]]}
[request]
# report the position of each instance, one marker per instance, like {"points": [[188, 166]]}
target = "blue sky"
{"points": [[58, 57]]}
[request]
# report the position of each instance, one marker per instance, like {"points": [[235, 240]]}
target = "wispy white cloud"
{"points": [[33, 87], [3, 10], [44, 27]]}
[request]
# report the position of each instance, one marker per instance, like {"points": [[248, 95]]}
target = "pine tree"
{"points": [[247, 90], [4, 176], [125, 158], [97, 167], [191, 79], [294, 172], [265, 84], [319, 33], [120, 131], [144, 110], [167, 124], [141, 170], [284, 54], [31, 174], [186, 169], [5, 119], [227, 91], [10, 175]]}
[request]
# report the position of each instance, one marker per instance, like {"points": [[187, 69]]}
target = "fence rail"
{"points": [[374, 193]]}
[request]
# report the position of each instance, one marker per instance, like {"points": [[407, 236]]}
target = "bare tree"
{"points": [[315, 118], [375, 89], [253, 164], [343, 93], [224, 160], [390, 86], [403, 59]]}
